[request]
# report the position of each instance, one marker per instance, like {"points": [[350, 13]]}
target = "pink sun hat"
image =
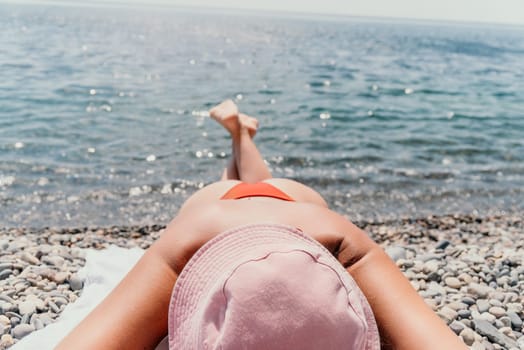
{"points": [[268, 287]]}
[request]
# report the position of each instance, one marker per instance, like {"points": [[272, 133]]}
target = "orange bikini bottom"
{"points": [[259, 189]]}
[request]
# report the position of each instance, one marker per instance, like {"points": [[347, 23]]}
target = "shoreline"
{"points": [[469, 269]]}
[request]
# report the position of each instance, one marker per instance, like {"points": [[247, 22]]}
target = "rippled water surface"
{"points": [[103, 111]]}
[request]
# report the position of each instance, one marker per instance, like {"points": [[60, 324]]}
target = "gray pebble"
{"points": [[505, 321], [511, 297], [22, 330], [54, 307], [49, 287], [396, 252], [27, 307], [45, 318], [468, 301], [468, 336], [4, 320], [5, 266], [39, 303], [12, 314], [487, 317], [497, 311], [507, 331], [467, 323], [46, 272], [55, 293], [488, 345], [432, 304], [464, 313], [54, 260], [4, 244], [447, 314], [457, 327], [503, 273], [428, 257], [5, 273], [495, 302], [76, 282], [29, 258], [457, 306], [516, 321], [7, 307], [465, 278], [60, 277], [59, 301], [483, 305], [25, 318], [498, 296], [21, 286], [475, 259], [37, 324], [431, 266], [486, 329], [443, 244], [477, 346], [15, 321], [433, 277], [515, 307], [403, 263], [7, 298], [453, 282], [478, 290], [4, 329]]}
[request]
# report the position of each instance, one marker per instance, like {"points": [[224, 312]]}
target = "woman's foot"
{"points": [[226, 114], [250, 124]]}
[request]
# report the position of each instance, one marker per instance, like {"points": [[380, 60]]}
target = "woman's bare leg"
{"points": [[226, 114], [246, 163], [230, 172], [250, 164]]}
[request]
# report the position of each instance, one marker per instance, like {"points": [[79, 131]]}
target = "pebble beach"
{"points": [[469, 270]]}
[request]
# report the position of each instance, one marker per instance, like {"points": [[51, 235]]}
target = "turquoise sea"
{"points": [[103, 111]]}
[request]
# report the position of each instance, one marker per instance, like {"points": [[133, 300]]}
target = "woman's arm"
{"points": [[403, 318], [134, 315]]}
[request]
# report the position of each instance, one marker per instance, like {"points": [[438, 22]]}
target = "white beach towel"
{"points": [[102, 271]]}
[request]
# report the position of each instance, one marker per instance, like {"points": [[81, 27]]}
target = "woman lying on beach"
{"points": [[261, 263]]}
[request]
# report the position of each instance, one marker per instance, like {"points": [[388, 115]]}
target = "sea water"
{"points": [[103, 111]]}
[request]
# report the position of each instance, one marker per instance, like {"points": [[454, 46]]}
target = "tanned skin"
{"points": [[135, 314]]}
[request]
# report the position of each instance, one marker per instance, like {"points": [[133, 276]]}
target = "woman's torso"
{"points": [[195, 225]]}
